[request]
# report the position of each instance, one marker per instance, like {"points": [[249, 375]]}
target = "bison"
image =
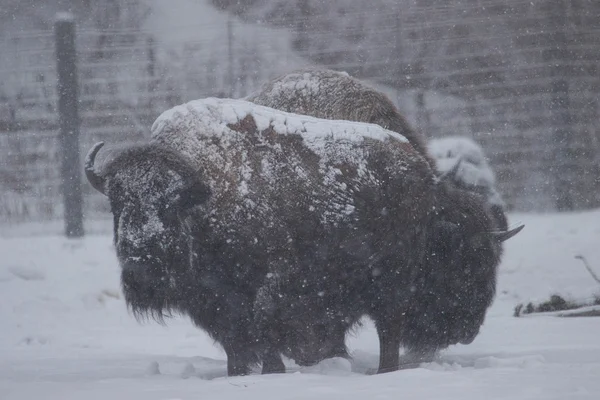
{"points": [[458, 286], [329, 94], [230, 202], [454, 286]]}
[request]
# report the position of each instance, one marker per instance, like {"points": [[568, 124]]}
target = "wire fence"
{"points": [[462, 73], [124, 84]]}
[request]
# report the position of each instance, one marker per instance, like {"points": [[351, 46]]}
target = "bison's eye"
{"points": [[191, 196], [169, 216], [478, 242]]}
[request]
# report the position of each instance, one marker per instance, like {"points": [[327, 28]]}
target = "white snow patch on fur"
{"points": [[218, 113], [474, 169]]}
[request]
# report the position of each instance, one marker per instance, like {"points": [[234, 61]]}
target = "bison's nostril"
{"points": [[128, 274], [134, 274]]}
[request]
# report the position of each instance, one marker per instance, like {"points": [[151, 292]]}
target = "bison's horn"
{"points": [[502, 236], [451, 174], [95, 179]]}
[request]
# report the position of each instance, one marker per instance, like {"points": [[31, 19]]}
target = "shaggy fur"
{"points": [[329, 94], [424, 306], [230, 224], [156, 198], [458, 282]]}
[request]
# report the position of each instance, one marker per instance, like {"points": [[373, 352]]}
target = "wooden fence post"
{"points": [[64, 29]]}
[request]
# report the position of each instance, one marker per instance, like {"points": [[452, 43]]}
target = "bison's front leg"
{"points": [[389, 345], [239, 360], [272, 363]]}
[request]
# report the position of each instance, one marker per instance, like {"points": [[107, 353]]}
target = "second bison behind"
{"points": [[455, 285]]}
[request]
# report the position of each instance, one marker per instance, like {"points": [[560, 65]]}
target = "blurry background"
{"points": [[521, 78]]}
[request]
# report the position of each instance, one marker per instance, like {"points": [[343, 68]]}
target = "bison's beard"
{"points": [[150, 293], [451, 301]]}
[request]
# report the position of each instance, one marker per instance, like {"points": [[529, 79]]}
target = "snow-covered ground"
{"points": [[65, 333]]}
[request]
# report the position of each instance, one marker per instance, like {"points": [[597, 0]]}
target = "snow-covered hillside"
{"points": [[66, 333]]}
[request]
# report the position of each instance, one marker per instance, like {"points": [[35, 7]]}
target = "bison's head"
{"points": [[152, 191], [482, 187], [459, 281]]}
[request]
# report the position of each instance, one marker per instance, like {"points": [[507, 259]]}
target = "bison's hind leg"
{"points": [[414, 357], [239, 360]]}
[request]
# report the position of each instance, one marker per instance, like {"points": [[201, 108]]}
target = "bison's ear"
{"points": [[193, 195]]}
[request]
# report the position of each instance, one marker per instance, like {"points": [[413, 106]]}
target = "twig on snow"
{"points": [[587, 266]]}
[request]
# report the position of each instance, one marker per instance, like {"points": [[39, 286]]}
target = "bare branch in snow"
{"points": [[587, 266]]}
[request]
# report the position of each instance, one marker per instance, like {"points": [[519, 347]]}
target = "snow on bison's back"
{"points": [[329, 94]]}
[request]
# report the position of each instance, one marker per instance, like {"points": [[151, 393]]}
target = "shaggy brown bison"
{"points": [[234, 210]]}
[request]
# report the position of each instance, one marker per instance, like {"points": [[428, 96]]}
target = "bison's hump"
{"points": [[312, 83], [214, 116]]}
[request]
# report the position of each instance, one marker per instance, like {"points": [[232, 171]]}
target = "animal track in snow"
{"points": [[27, 273]]}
